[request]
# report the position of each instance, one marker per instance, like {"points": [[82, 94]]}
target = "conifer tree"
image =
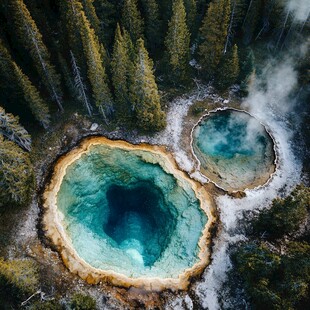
{"points": [[29, 92], [153, 25], [16, 175], [95, 69], [132, 20], [229, 69], [191, 11], [144, 93], [213, 35], [87, 55], [95, 23], [129, 45], [108, 14], [122, 70], [12, 130], [70, 15], [91, 15], [30, 37], [177, 42]]}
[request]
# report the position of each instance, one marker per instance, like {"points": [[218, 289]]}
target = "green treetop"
{"points": [[229, 69], [29, 92], [191, 11], [213, 34], [95, 69], [91, 15], [70, 15], [30, 37], [122, 70], [132, 20], [144, 93], [16, 176], [153, 25], [95, 23], [177, 42], [21, 274]]}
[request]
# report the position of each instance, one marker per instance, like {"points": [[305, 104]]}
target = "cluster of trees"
{"points": [[90, 51], [16, 175], [276, 271]]}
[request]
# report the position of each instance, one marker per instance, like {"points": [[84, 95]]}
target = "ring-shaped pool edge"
{"points": [[55, 232], [269, 133]]}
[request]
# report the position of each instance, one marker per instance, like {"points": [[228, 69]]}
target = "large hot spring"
{"points": [[234, 149], [126, 211]]}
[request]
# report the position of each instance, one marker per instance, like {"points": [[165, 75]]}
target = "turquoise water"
{"points": [[233, 148], [124, 213]]}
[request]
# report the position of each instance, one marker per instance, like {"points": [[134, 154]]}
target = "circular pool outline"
{"points": [[55, 231], [268, 131]]}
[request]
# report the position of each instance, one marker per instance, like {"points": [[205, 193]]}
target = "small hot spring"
{"points": [[234, 149], [125, 210]]}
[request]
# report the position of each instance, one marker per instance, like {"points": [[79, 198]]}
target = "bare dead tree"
{"points": [[80, 85], [229, 32]]}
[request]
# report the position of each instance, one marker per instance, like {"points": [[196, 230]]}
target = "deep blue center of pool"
{"points": [[136, 218]]}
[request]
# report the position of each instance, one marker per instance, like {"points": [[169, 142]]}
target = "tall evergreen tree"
{"points": [[28, 91], [108, 14], [177, 42], [12, 130], [95, 69], [71, 20], [144, 93], [129, 45], [153, 25], [91, 15], [87, 55], [213, 35], [229, 69], [191, 11], [94, 22], [122, 71], [132, 20], [16, 173], [30, 37]]}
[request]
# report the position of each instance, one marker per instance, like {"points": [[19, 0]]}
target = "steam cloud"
{"points": [[300, 9], [278, 80]]}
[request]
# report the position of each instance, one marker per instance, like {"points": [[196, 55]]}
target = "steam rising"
{"points": [[300, 9]]}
